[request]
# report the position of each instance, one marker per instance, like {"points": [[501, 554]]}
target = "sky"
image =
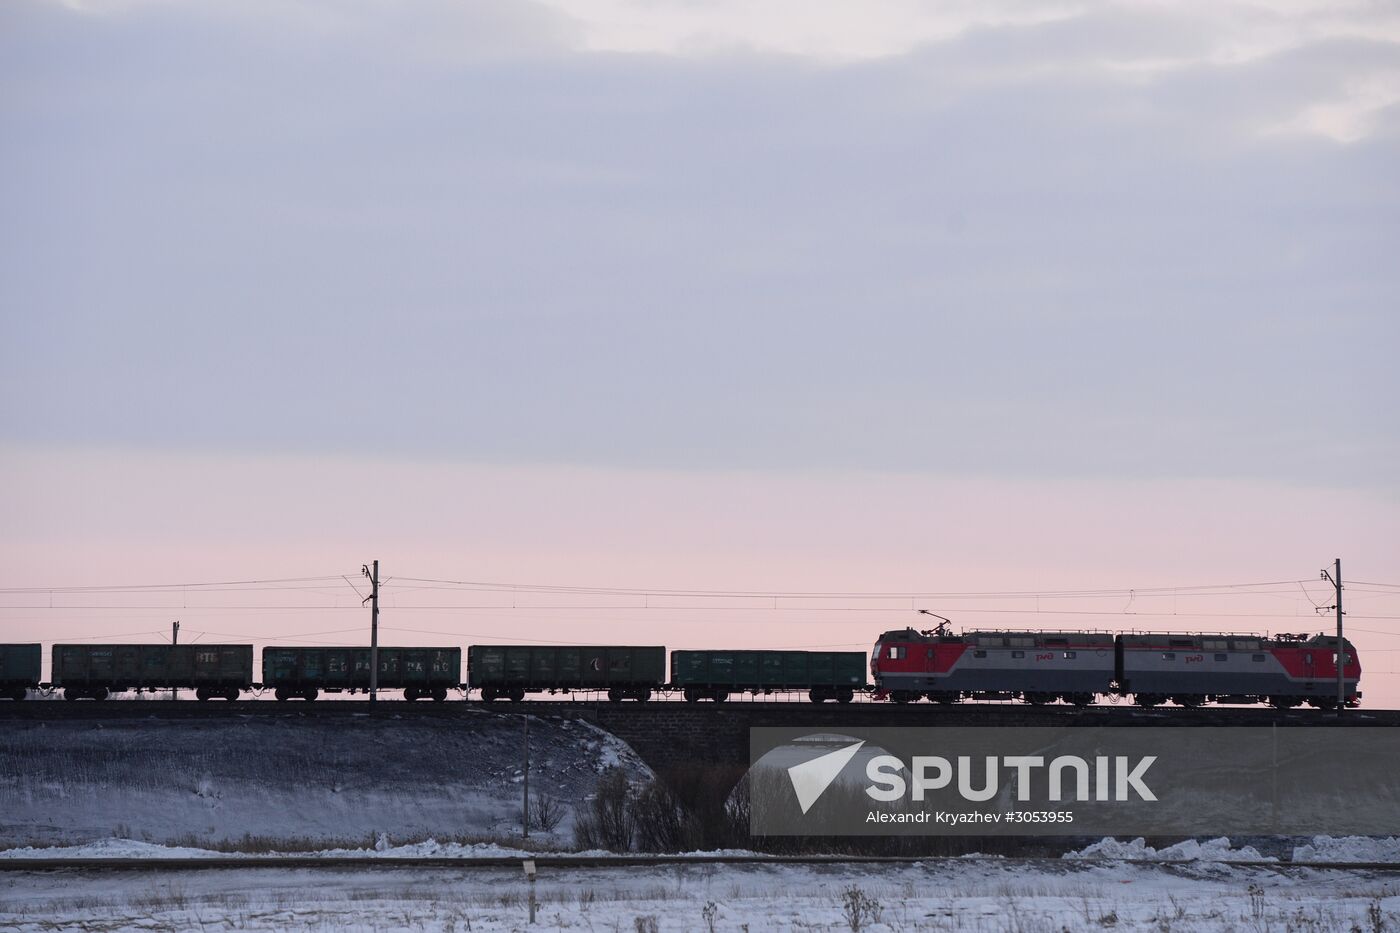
{"points": [[904, 299]]}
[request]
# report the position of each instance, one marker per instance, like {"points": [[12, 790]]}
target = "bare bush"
{"points": [[859, 909], [663, 824], [608, 823], [546, 812]]}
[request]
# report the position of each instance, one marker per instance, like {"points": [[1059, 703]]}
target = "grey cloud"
{"points": [[632, 260]]}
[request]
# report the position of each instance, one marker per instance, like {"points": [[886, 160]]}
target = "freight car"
{"points": [[305, 672], [19, 670], [714, 675], [94, 671], [1042, 667], [510, 671]]}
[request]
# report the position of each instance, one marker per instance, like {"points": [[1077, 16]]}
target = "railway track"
{"points": [[625, 862], [769, 711]]}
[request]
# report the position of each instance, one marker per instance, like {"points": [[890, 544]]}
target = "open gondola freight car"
{"points": [[626, 672], [714, 675], [19, 670], [94, 671], [426, 673]]}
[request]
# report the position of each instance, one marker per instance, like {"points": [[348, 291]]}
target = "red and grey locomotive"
{"points": [[1077, 667]]}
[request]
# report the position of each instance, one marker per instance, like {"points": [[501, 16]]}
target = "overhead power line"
{"points": [[1115, 592], [149, 587]]}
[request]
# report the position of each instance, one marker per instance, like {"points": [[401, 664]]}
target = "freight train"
{"points": [[905, 666]]}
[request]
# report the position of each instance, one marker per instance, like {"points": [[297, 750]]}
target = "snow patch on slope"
{"points": [[1348, 849], [1192, 850]]}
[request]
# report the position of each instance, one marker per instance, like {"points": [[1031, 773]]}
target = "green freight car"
{"points": [[94, 671], [511, 671], [305, 672], [19, 670], [714, 675]]}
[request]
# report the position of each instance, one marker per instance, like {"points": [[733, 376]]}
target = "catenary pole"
{"points": [[373, 630], [174, 640], [1341, 649], [1335, 578]]}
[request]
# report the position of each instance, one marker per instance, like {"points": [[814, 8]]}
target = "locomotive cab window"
{"points": [[1071, 654], [896, 652], [1168, 655], [1258, 657], [1018, 654], [1222, 657]]}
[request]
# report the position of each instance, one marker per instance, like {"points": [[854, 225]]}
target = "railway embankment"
{"points": [[297, 780]]}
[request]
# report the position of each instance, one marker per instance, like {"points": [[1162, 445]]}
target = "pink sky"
{"points": [[109, 517]]}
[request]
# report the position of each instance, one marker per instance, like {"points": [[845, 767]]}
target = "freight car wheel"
{"points": [[845, 695], [1080, 699], [1039, 699], [691, 695], [614, 695], [410, 694], [517, 694], [282, 694], [201, 694], [439, 694], [99, 694], [720, 696], [309, 694], [231, 694], [1147, 700]]}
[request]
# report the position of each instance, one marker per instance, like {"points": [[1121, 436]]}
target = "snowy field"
{"points": [[964, 894], [292, 781]]}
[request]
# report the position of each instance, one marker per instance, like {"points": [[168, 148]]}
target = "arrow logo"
{"points": [[811, 778]]}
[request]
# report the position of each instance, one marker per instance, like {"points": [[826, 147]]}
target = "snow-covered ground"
{"points": [[392, 789], [965, 894], [1320, 850], [306, 782]]}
